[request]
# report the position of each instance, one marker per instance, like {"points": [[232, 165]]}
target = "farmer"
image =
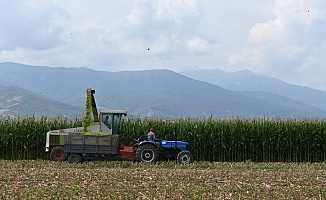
{"points": [[151, 134], [107, 121]]}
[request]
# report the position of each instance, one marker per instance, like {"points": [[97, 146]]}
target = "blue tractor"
{"points": [[150, 151]]}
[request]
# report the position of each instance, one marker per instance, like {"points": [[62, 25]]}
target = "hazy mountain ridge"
{"points": [[17, 102], [151, 93], [246, 80], [298, 107]]}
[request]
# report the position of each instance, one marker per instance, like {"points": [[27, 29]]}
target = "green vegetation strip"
{"points": [[236, 140], [94, 133], [39, 179], [24, 138]]}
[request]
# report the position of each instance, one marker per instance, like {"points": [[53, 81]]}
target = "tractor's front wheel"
{"points": [[184, 157], [147, 153], [57, 154]]}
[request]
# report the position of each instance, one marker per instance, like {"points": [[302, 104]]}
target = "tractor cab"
{"points": [[110, 120]]}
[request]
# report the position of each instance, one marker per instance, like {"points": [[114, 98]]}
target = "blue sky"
{"points": [[284, 39]]}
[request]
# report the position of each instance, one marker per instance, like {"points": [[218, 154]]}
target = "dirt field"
{"points": [[165, 180]]}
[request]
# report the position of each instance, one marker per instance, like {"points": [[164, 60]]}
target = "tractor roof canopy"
{"points": [[114, 112]]}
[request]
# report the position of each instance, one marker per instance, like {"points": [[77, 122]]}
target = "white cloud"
{"points": [[266, 32], [272, 37], [198, 45], [285, 46], [30, 26]]}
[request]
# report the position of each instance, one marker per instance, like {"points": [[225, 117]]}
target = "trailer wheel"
{"points": [[184, 157], [147, 153], [74, 159], [57, 154]]}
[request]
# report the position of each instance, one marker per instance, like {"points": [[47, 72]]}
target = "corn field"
{"points": [[236, 139], [22, 139], [259, 140]]}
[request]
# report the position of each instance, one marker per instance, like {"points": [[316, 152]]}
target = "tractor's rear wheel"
{"points": [[147, 153], [57, 154], [74, 159], [184, 157]]}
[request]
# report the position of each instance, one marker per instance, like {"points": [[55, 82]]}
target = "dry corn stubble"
{"points": [[165, 180]]}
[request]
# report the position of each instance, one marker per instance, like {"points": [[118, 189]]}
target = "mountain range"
{"points": [[15, 101], [246, 80], [49, 91]]}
